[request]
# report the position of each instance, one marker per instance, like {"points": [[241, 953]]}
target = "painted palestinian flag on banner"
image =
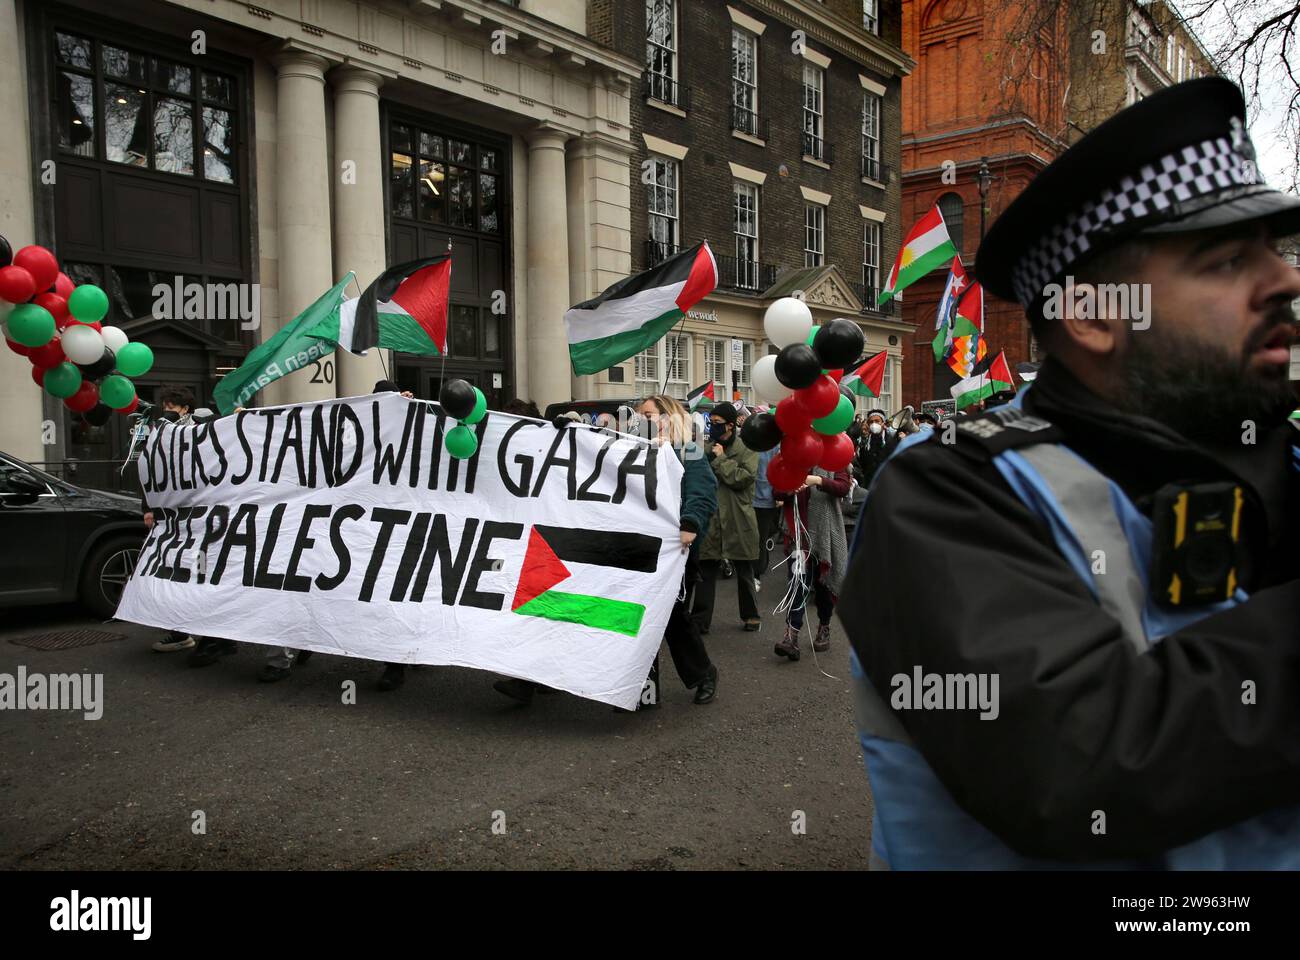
{"points": [[546, 563], [639, 310], [701, 398], [867, 379], [984, 385], [405, 309], [943, 319], [927, 246]]}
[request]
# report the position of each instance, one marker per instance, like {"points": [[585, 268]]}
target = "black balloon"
{"points": [[98, 415], [838, 343], [457, 398], [760, 432], [100, 368], [797, 366], [6, 253]]}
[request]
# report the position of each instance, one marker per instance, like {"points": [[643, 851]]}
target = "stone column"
{"points": [[548, 268], [358, 207], [20, 398], [302, 204]]}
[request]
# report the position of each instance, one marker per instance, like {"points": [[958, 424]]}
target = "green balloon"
{"points": [[837, 421], [480, 408], [461, 442], [812, 334], [116, 391], [62, 381], [31, 325], [88, 303], [134, 360]]}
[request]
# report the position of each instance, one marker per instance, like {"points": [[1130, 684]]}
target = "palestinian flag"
{"points": [[926, 247], [943, 319], [551, 548], [701, 397], [984, 385], [638, 310], [868, 378], [405, 309]]}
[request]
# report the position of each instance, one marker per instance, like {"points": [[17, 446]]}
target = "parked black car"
{"points": [[61, 542]]}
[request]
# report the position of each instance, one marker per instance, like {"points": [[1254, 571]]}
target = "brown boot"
{"points": [[822, 642], [788, 646]]}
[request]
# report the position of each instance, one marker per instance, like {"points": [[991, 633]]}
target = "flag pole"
{"points": [[442, 365]]}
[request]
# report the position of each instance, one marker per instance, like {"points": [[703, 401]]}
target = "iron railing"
{"points": [[748, 121], [747, 276], [665, 89]]}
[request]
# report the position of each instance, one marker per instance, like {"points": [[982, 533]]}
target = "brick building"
{"points": [[771, 129], [1013, 85]]}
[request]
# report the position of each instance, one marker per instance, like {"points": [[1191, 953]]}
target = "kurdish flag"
{"points": [[943, 319], [926, 247], [701, 397], [551, 548], [977, 388], [867, 379], [638, 310], [404, 309]]}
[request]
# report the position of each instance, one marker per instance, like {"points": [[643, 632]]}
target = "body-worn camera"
{"points": [[1196, 555]]}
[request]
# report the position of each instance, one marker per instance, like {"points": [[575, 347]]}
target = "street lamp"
{"points": [[985, 180]]}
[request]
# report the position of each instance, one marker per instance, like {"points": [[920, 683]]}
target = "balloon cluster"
{"points": [[812, 412], [465, 403], [56, 325]]}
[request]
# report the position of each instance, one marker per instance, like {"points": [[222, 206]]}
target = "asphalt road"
{"points": [[287, 776]]}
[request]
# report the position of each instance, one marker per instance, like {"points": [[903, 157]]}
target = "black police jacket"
{"points": [[1174, 752]]}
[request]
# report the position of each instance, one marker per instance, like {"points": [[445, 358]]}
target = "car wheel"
{"points": [[104, 577]]}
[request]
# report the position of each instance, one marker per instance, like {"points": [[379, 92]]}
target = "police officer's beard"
{"points": [[1200, 390]]}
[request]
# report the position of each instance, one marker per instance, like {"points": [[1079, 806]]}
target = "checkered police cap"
{"points": [[1178, 160]]}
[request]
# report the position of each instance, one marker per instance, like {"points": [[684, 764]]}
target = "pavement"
{"points": [[287, 776]]}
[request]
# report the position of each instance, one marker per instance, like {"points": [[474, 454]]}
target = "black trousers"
{"points": [[768, 519], [702, 612], [686, 646]]}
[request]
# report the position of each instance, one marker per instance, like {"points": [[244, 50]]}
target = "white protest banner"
{"points": [[345, 527]]}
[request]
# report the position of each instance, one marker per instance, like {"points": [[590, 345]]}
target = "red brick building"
{"points": [[974, 94]]}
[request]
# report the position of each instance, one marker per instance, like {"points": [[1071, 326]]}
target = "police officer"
{"points": [[1138, 717]]}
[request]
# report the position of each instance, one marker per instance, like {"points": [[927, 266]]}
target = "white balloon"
{"points": [[787, 321], [82, 343], [766, 385], [115, 338]]}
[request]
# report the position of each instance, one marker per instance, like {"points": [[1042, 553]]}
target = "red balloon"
{"points": [[50, 355], [837, 452], [791, 417], [802, 449], [135, 402], [85, 399], [819, 398], [835, 375], [783, 475], [38, 375], [64, 286], [18, 348], [97, 325], [40, 263], [16, 284], [57, 305]]}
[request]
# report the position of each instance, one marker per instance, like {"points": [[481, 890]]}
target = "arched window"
{"points": [[953, 208]]}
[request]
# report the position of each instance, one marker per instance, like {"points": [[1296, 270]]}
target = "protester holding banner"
{"points": [[394, 674], [733, 532], [672, 425]]}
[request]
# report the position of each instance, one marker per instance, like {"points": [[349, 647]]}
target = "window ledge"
{"points": [[878, 184], [665, 107], [815, 162], [741, 135]]}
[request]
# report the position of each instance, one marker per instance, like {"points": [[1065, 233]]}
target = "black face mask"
{"points": [[171, 416], [717, 431]]}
